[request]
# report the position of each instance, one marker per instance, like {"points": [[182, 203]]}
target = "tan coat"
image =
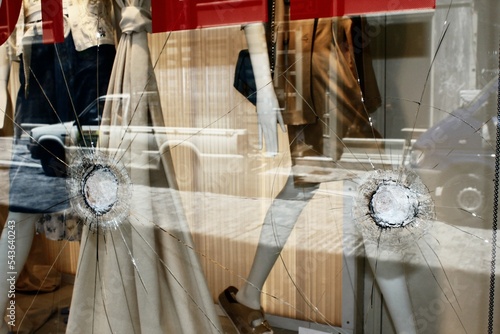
{"points": [[317, 82]]}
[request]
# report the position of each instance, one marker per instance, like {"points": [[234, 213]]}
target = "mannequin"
{"points": [[243, 306], [44, 71], [4, 78]]}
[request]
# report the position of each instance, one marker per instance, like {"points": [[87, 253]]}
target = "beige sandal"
{"points": [[246, 320]]}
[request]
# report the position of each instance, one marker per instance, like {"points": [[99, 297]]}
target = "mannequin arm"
{"points": [[4, 79], [268, 109]]}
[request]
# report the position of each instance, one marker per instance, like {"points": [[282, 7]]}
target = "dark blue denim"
{"points": [[46, 99], [62, 82]]}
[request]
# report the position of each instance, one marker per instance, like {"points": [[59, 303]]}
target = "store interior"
{"points": [[204, 161]]}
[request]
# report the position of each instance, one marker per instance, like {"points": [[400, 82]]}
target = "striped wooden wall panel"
{"points": [[195, 74]]}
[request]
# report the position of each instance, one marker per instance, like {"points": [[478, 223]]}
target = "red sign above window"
{"points": [[9, 14], [307, 9], [52, 19], [173, 15], [170, 15]]}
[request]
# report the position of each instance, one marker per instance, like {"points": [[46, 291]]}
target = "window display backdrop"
{"points": [[414, 189]]}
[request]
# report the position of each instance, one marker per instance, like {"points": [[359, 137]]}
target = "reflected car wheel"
{"points": [[187, 176], [187, 168], [468, 195], [53, 164]]}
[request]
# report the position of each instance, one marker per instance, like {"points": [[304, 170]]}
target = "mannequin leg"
{"points": [[389, 274], [24, 232], [243, 307], [279, 221], [278, 224]]}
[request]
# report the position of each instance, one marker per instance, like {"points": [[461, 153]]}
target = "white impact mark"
{"points": [[393, 208], [393, 205], [100, 189]]}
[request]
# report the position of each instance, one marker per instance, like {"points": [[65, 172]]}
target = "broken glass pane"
{"points": [[387, 227]]}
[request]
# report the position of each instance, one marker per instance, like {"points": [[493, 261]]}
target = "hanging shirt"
{"points": [[89, 21]]}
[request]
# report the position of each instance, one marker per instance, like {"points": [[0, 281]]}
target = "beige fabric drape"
{"points": [[143, 277]]}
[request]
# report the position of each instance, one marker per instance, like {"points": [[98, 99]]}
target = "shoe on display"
{"points": [[245, 319]]}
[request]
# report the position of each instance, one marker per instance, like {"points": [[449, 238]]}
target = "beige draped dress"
{"points": [[144, 276]]}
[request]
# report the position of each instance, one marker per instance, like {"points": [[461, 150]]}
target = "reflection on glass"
{"points": [[197, 185]]}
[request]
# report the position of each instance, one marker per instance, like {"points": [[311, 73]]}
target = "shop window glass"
{"points": [[324, 166]]}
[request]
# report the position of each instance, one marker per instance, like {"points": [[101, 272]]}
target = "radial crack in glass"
{"points": [[394, 208], [99, 188]]}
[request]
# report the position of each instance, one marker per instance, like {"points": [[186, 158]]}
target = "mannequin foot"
{"points": [[246, 320]]}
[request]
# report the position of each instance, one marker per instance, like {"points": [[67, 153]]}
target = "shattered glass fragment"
{"points": [[393, 208], [99, 188]]}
